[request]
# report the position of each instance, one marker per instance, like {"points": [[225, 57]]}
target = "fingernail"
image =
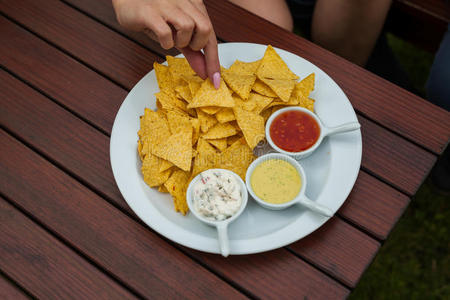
{"points": [[216, 80]]}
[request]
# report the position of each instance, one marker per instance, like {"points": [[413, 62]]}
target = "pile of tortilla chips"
{"points": [[197, 127]]}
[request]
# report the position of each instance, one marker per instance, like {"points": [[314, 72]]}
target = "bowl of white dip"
{"points": [[217, 197]]}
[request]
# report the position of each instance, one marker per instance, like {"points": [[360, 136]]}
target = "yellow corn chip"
{"points": [[196, 130], [176, 185], [165, 165], [260, 102], [179, 67], [266, 114], [283, 88], [141, 155], [220, 130], [252, 126], [263, 89], [206, 121], [220, 144], [211, 110], [272, 66], [184, 93], [162, 189], [154, 129], [306, 86], [236, 158], [225, 115], [234, 138], [307, 103], [169, 102], [240, 84], [164, 78], [209, 96], [150, 169], [177, 149], [194, 82], [177, 122], [245, 68]]}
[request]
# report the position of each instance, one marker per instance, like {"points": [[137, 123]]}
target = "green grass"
{"points": [[414, 261]]}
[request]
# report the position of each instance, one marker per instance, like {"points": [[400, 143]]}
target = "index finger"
{"points": [[212, 60]]}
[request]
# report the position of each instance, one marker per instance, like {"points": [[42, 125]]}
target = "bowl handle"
{"points": [[222, 230], [342, 128], [315, 207]]}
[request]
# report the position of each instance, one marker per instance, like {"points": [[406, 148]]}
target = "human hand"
{"points": [[183, 24]]}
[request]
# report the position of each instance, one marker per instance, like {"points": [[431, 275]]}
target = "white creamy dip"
{"points": [[217, 195]]}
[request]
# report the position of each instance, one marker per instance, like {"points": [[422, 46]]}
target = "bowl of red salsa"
{"points": [[296, 131]]}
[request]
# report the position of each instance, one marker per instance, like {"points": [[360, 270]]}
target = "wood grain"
{"points": [[96, 107], [331, 249], [387, 104], [44, 266], [75, 86], [134, 254], [67, 140], [103, 11], [373, 206], [94, 44], [275, 275], [8, 291]]}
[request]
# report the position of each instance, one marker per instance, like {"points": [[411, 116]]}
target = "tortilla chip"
{"points": [[225, 115], [234, 138], [209, 96], [273, 67], [176, 185], [241, 84], [220, 130], [194, 82], [306, 86], [169, 102], [244, 68], [266, 114], [162, 189], [177, 149], [177, 122], [165, 165], [211, 110], [252, 126], [236, 158], [263, 89], [196, 130], [220, 144], [150, 170], [154, 129], [307, 103], [206, 121], [164, 78], [184, 93], [178, 67], [283, 88], [260, 102]]}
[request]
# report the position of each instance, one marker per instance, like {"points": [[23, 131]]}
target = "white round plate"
{"points": [[331, 170]]}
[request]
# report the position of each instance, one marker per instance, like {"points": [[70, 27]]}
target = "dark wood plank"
{"points": [[97, 100], [275, 275], [374, 206], [68, 141], [131, 252], [94, 44], [59, 76], [103, 11], [63, 137], [434, 9], [373, 96], [44, 266], [8, 291], [330, 249], [402, 163], [376, 98]]}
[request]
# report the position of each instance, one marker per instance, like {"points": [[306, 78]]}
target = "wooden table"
{"points": [[66, 231]]}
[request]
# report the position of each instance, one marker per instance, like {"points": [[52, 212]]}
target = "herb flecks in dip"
{"points": [[294, 131], [275, 181], [217, 195]]}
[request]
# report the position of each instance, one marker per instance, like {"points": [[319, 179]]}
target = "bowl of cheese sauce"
{"points": [[217, 197], [277, 181]]}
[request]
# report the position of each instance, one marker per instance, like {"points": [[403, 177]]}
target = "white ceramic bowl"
{"points": [[300, 199], [324, 131], [221, 226]]}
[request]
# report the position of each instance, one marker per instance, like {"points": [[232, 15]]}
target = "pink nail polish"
{"points": [[216, 80]]}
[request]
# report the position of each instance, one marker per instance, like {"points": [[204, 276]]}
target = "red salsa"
{"points": [[294, 131]]}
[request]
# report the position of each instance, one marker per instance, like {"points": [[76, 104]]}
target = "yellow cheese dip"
{"points": [[275, 181]]}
